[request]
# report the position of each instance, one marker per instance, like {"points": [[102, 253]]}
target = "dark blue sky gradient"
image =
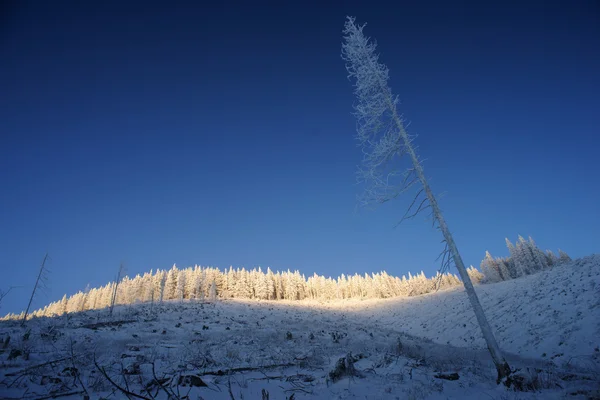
{"points": [[222, 135]]}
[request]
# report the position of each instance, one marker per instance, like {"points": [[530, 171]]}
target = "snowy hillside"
{"points": [[393, 348], [552, 315]]}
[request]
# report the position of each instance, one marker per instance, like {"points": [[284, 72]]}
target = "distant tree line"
{"points": [[208, 283]]}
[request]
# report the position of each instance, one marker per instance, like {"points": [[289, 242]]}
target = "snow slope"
{"points": [[552, 315], [276, 350]]}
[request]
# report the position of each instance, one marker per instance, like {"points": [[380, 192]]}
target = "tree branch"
{"points": [[121, 389]]}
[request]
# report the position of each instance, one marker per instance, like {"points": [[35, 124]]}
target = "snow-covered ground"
{"points": [[553, 315], [548, 324]]}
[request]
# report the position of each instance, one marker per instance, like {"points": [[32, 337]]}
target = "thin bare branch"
{"points": [[24, 370], [446, 257], [422, 206], [114, 294], [159, 382], [229, 388], [4, 294], [116, 385], [75, 370], [41, 277], [59, 395]]}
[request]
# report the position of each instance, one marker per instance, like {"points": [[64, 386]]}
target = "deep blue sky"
{"points": [[222, 135]]}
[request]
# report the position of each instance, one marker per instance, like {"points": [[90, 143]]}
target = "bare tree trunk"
{"points": [[113, 298], [381, 144], [501, 365], [37, 281]]}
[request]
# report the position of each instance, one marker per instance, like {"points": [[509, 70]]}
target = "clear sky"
{"points": [[223, 135]]}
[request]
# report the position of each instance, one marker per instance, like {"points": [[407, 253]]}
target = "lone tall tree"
{"points": [[382, 134]]}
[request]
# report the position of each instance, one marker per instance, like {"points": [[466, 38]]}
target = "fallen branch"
{"points": [[107, 324], [76, 371], [49, 396], [246, 369], [35, 367], [160, 384], [288, 378], [57, 395], [123, 390], [450, 377]]}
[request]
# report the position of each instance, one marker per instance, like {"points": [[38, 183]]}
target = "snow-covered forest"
{"points": [[200, 283]]}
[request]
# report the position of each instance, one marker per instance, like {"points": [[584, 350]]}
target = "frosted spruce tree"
{"points": [[383, 137]]}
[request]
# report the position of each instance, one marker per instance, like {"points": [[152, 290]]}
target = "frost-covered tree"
{"points": [[180, 287], [171, 283], [262, 289], [475, 275], [63, 305], [212, 294], [106, 294], [76, 302], [291, 292], [551, 258], [242, 288], [92, 302], [124, 291], [159, 281], [563, 257], [382, 134], [191, 288], [538, 255], [229, 283], [270, 281], [198, 284], [505, 268], [86, 298], [495, 269], [135, 290], [516, 265], [103, 296], [148, 288], [300, 281], [279, 287], [525, 256]]}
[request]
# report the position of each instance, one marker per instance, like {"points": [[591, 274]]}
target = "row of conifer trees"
{"points": [[208, 283]]}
